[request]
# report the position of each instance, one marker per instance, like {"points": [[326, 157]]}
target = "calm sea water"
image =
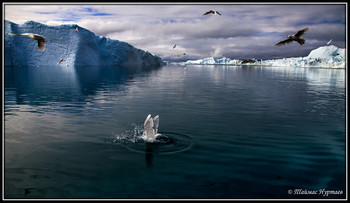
{"points": [[233, 132]]}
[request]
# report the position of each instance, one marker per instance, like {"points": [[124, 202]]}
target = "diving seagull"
{"points": [[295, 37], [151, 127], [329, 42], [41, 39], [213, 12]]}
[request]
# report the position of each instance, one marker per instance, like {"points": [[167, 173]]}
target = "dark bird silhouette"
{"points": [[41, 39], [60, 61], [295, 37], [27, 190], [212, 12], [174, 46]]}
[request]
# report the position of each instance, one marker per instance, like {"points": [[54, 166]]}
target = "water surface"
{"points": [[237, 132]]}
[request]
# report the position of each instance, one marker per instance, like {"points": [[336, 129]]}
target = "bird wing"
{"points": [[218, 13], [147, 118], [41, 44], [329, 42], [208, 12], [20, 34], [301, 32], [149, 128], [27, 34], [156, 124], [39, 36], [14, 34], [283, 42]]}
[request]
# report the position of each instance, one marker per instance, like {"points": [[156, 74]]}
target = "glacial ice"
{"points": [[325, 56], [71, 46]]}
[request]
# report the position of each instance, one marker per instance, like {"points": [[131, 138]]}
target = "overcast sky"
{"points": [[242, 31]]}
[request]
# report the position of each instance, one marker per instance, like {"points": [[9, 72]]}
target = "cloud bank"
{"points": [[242, 31]]}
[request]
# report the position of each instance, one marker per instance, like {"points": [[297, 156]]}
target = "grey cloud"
{"points": [[243, 30], [327, 31]]}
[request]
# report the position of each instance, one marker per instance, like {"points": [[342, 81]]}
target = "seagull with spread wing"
{"points": [[41, 39], [212, 12], [295, 37], [151, 128]]}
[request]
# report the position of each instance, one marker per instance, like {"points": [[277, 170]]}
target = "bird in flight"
{"points": [[295, 37], [212, 12], [41, 39], [174, 46], [60, 61], [329, 42]]}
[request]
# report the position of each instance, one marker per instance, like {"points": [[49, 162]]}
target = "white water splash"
{"points": [[130, 136]]}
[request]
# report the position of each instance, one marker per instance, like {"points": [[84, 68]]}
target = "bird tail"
{"points": [[301, 41]]}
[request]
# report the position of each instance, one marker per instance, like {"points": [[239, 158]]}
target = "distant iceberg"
{"points": [[211, 60], [67, 45], [325, 56]]}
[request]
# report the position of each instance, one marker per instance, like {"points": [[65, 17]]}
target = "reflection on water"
{"points": [[237, 132], [43, 85]]}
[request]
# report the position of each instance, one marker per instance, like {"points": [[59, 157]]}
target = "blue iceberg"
{"points": [[70, 45]]}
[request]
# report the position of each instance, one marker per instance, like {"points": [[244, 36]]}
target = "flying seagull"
{"points": [[41, 39], [328, 43], [295, 37], [60, 61], [213, 12]]}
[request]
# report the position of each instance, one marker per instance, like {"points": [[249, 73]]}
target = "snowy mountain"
{"points": [[70, 44], [325, 56]]}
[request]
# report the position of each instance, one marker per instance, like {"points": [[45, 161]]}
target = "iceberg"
{"points": [[70, 45], [325, 56]]}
